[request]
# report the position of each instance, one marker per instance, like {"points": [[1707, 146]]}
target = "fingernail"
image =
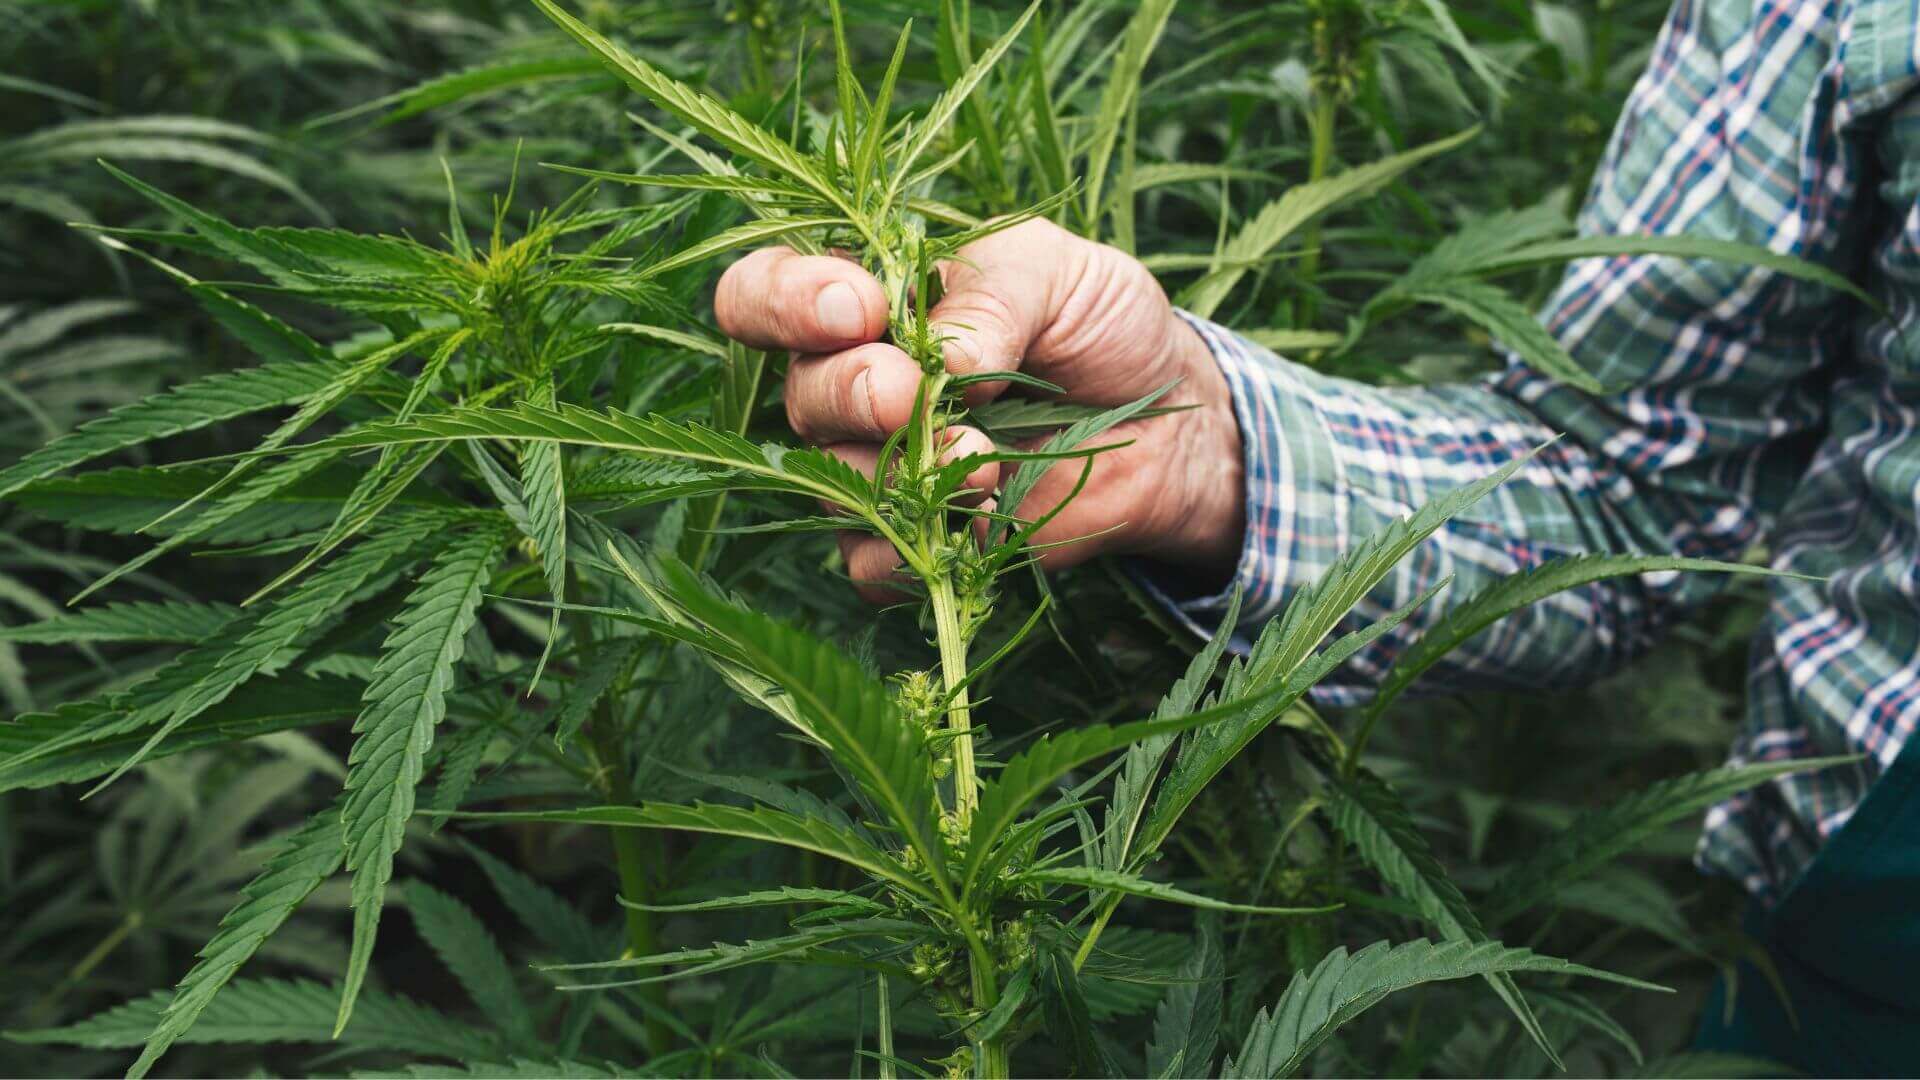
{"points": [[838, 308], [863, 394], [962, 353]]}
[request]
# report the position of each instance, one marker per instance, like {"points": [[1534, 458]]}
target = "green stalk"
{"points": [[990, 1058], [885, 1023], [953, 670], [1099, 924], [1326, 116], [633, 852], [97, 955], [950, 620]]}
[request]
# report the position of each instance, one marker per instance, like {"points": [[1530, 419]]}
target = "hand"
{"points": [[1084, 316]]}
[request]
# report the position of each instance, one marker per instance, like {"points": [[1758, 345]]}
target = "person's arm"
{"points": [[1329, 462], [1287, 468], [1723, 364]]}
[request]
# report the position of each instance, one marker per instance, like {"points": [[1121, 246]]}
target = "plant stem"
{"points": [[94, 958], [990, 1060], [885, 1024], [1325, 116], [632, 854], [948, 630], [952, 617]]}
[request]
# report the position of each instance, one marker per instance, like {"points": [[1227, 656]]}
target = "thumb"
{"points": [[1001, 293]]}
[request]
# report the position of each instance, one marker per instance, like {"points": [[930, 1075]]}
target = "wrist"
{"points": [[1206, 486]]}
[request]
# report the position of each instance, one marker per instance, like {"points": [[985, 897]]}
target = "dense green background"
{"points": [[108, 899]]}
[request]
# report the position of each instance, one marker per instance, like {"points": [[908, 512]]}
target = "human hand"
{"points": [[1033, 297]]}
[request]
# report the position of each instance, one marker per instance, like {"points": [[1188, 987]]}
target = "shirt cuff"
{"points": [[1295, 512]]}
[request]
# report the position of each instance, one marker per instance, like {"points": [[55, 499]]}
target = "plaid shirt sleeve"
{"points": [[1757, 409], [1329, 462]]}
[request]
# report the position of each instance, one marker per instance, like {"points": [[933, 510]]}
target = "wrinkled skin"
{"points": [[1035, 297]]}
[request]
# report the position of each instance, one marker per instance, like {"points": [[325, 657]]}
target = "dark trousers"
{"points": [[1846, 942]]}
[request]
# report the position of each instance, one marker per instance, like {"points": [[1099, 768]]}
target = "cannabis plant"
{"points": [[530, 528]]}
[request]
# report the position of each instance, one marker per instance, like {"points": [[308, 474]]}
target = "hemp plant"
{"points": [[496, 410], [976, 897], [413, 532]]}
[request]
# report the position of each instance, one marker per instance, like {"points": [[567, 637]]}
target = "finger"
{"points": [[1001, 293], [863, 393], [982, 525], [1085, 528], [776, 298], [873, 566], [982, 481], [962, 442], [864, 457], [871, 561]]}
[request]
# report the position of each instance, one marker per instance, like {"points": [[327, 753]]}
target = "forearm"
{"points": [[1328, 462]]}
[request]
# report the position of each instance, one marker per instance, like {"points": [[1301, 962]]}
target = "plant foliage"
{"points": [[387, 522]]}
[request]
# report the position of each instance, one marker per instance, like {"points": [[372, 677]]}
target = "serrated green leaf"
{"points": [[706, 115], [750, 234], [266, 634], [1449, 32], [1186, 1024], [1032, 772], [923, 131], [556, 923], [611, 430], [725, 957], [1511, 593], [461, 755], [280, 263], [1162, 173], [1118, 97], [1680, 247], [598, 672], [1096, 880], [1581, 1012], [460, 86], [257, 487], [91, 742], [1508, 320], [301, 863], [275, 1011], [759, 823], [1067, 1013], [463, 944], [690, 342], [1203, 755], [405, 702], [1599, 836], [1015, 491], [731, 183], [1280, 218], [849, 711], [1343, 986], [543, 482], [184, 408], [1134, 782], [1371, 815], [785, 894], [145, 621]]}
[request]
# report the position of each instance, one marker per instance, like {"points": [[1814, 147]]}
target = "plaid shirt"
{"points": [[1761, 410]]}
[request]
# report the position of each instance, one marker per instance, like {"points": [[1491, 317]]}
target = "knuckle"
{"points": [[797, 417], [855, 394]]}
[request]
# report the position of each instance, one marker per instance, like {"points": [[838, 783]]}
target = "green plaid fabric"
{"points": [[1761, 410]]}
